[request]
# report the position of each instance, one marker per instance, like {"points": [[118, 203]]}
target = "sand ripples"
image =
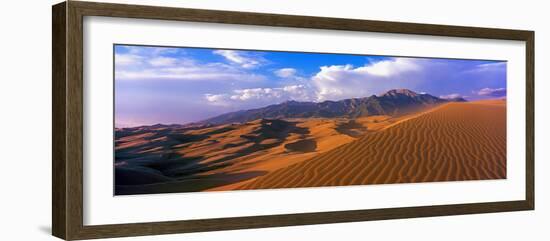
{"points": [[457, 141]]}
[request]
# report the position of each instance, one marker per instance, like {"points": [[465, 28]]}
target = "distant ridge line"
{"points": [[394, 102]]}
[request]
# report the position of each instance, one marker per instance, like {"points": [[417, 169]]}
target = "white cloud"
{"points": [[239, 58], [489, 67], [389, 68], [163, 61], [346, 81], [150, 50], [166, 50], [262, 95], [285, 72], [498, 92], [147, 63], [290, 92], [451, 96], [127, 59], [492, 65], [255, 93], [189, 73], [220, 100], [294, 89]]}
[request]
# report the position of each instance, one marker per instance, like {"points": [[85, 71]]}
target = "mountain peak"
{"points": [[396, 92], [289, 102], [394, 102], [457, 99]]}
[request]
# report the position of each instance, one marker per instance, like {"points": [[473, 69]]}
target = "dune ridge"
{"points": [[160, 158], [453, 142]]}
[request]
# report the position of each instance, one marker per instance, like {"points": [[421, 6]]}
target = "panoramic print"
{"points": [[202, 119]]}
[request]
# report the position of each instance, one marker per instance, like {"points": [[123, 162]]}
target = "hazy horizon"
{"points": [[183, 85]]}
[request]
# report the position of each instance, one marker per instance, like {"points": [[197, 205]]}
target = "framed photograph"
{"points": [[171, 120]]}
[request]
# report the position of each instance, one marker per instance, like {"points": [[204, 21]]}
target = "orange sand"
{"points": [[453, 142]]}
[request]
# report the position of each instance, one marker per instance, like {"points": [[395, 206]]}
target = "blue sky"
{"points": [[181, 85]]}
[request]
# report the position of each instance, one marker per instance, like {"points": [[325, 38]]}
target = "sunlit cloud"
{"points": [[285, 72], [346, 81], [178, 85], [391, 67], [240, 58], [217, 99], [498, 92], [127, 59], [488, 67], [162, 61], [142, 64], [278, 94], [451, 96]]}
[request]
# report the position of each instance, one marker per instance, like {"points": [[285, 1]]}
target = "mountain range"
{"points": [[394, 102]]}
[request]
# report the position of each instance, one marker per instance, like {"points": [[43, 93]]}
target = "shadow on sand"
{"points": [[138, 170]]}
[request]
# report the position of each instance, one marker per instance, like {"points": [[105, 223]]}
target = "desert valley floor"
{"points": [[453, 141]]}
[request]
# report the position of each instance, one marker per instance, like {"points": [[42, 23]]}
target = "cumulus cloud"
{"points": [[389, 68], [498, 92], [285, 72], [217, 99], [451, 96], [240, 58], [186, 84], [270, 95], [346, 81], [330, 83], [256, 93]]}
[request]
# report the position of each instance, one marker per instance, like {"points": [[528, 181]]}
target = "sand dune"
{"points": [[453, 142], [225, 157]]}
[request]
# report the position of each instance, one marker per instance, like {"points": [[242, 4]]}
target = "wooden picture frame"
{"points": [[67, 152]]}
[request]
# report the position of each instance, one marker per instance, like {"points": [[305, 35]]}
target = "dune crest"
{"points": [[453, 142]]}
